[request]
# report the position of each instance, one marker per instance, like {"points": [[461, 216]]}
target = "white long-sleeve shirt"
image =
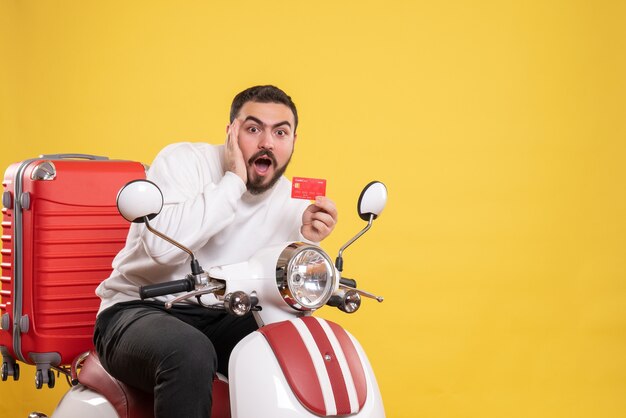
{"points": [[207, 210]]}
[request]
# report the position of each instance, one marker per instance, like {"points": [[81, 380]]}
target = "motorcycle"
{"points": [[294, 365]]}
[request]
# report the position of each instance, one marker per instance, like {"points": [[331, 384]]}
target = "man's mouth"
{"points": [[262, 165], [262, 162]]}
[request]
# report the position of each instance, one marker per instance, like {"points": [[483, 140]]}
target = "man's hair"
{"points": [[263, 94]]}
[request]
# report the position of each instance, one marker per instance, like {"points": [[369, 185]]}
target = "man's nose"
{"points": [[266, 141]]}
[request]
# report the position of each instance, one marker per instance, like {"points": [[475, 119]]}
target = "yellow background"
{"points": [[498, 127]]}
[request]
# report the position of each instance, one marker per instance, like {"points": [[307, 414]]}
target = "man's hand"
{"points": [[319, 219], [233, 157]]}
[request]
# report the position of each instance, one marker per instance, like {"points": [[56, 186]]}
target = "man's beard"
{"points": [[255, 185]]}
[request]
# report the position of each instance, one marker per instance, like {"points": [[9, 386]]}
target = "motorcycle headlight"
{"points": [[305, 276]]}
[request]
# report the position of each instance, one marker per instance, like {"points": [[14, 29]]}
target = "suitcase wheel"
{"points": [[6, 372], [51, 378], [40, 378]]}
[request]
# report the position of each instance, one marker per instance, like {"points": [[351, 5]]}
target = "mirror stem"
{"points": [[195, 266], [339, 259]]}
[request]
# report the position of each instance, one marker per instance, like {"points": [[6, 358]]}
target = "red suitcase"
{"points": [[60, 232]]}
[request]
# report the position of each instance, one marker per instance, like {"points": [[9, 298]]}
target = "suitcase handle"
{"points": [[64, 156]]}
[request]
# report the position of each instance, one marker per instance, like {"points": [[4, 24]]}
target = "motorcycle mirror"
{"points": [[141, 200], [371, 203], [372, 200], [138, 200]]}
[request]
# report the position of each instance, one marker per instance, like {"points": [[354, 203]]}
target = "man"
{"points": [[224, 203]]}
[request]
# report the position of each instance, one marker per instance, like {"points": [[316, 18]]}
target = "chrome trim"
{"points": [[357, 236], [163, 236], [76, 364], [283, 265], [44, 170], [351, 302], [237, 303], [362, 292], [211, 287]]}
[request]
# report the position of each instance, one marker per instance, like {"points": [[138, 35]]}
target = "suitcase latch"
{"points": [[23, 324], [25, 201], [5, 325], [7, 199]]}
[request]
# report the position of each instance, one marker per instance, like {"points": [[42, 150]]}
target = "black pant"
{"points": [[172, 353]]}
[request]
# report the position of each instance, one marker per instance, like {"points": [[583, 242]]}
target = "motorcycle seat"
{"points": [[134, 403], [127, 401]]}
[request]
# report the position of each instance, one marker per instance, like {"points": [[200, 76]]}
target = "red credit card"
{"points": [[309, 189]]}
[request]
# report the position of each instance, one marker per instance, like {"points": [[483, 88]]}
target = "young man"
{"points": [[224, 203]]}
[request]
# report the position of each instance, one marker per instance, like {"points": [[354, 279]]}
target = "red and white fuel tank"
{"points": [[304, 367]]}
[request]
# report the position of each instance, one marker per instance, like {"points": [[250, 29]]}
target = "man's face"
{"points": [[266, 140]]}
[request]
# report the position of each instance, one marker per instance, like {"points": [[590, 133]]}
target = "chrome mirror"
{"points": [[138, 200]]}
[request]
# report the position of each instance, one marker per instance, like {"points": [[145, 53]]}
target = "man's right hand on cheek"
{"points": [[234, 160]]}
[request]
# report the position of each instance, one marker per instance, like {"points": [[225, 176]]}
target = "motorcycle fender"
{"points": [[257, 383], [81, 402]]}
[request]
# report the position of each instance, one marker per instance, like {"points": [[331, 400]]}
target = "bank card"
{"points": [[307, 188]]}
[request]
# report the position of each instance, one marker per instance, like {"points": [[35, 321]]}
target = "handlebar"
{"points": [[335, 301], [338, 301], [347, 282], [350, 284], [167, 288]]}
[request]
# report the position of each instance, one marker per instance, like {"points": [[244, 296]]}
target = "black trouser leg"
{"points": [[225, 334], [157, 352]]}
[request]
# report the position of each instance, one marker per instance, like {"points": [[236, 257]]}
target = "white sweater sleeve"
{"points": [[199, 199]]}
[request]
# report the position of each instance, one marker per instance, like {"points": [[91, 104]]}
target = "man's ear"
{"points": [[227, 126], [295, 136]]}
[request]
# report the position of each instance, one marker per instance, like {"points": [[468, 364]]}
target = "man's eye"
{"points": [[253, 129], [280, 132]]}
